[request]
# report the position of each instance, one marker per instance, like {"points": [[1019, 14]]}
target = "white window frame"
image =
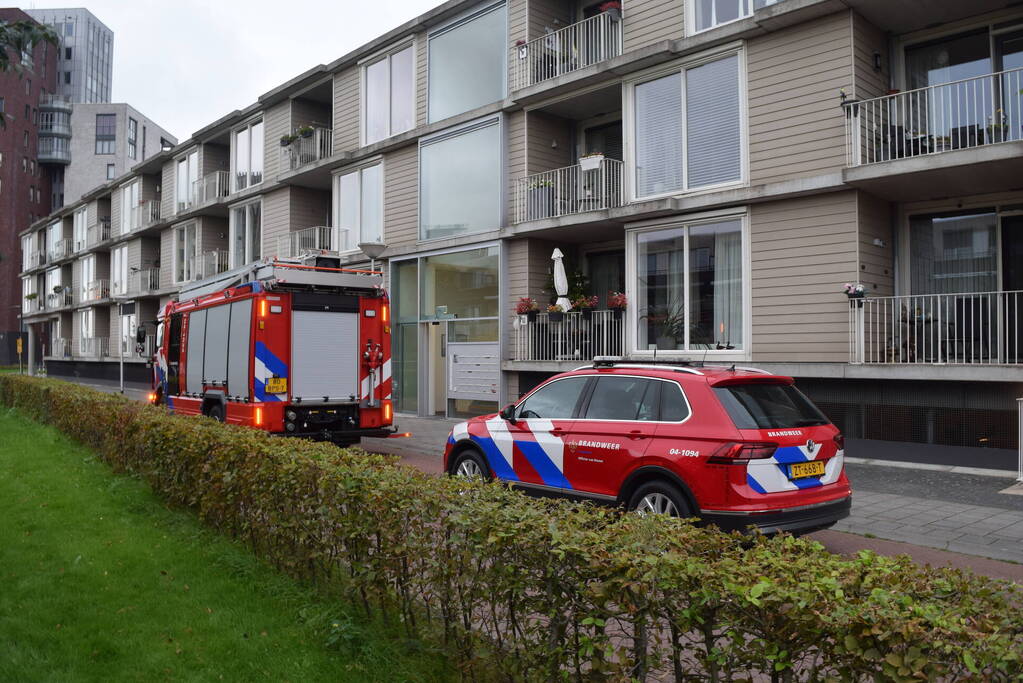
{"points": [[53, 278], [86, 281], [189, 193], [54, 233], [27, 244], [127, 207], [690, 20], [247, 128], [382, 55], [83, 315], [119, 270], [188, 275], [234, 230], [28, 286], [336, 203], [629, 122], [80, 228], [632, 282]]}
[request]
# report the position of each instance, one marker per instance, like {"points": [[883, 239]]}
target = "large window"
{"points": [[460, 182], [248, 156], [467, 63], [88, 273], [246, 233], [86, 328], [185, 180], [133, 134], [186, 252], [54, 234], [119, 270], [389, 105], [688, 129], [954, 253], [359, 206], [28, 290], [462, 284], [79, 228], [106, 133], [129, 202], [689, 288], [706, 14]]}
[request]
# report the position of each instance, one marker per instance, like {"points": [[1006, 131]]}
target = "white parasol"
{"points": [[561, 281]]}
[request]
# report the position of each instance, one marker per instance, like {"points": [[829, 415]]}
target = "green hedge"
{"points": [[523, 589]]}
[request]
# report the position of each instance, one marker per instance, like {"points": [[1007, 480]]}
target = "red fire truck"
{"points": [[297, 347]]}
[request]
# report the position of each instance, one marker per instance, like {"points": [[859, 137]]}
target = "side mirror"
{"points": [[508, 413], [140, 335]]}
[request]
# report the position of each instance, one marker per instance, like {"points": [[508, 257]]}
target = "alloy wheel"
{"points": [[657, 504]]}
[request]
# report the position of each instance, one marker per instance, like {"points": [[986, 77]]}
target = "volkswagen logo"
{"points": [[810, 445]]}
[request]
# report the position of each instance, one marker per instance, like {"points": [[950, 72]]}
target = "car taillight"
{"points": [[840, 442], [734, 453]]}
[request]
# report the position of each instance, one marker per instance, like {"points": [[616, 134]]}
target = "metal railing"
{"points": [[53, 150], [133, 349], [55, 128], [578, 335], [60, 299], [319, 239], [211, 187], [306, 150], [209, 263], [97, 233], [62, 249], [55, 102], [147, 213], [92, 347], [959, 115], [568, 190], [37, 258], [33, 305], [95, 290], [60, 348], [145, 280], [574, 47], [982, 328]]}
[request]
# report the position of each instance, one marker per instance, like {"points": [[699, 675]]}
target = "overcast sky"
{"points": [[186, 63]]}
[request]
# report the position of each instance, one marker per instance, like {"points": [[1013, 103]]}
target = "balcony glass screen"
{"points": [[467, 64], [460, 183]]}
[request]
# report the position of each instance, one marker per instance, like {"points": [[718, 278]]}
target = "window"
{"points": [[111, 173], [359, 209], [389, 95], [706, 14], [954, 253], [460, 182], [28, 288], [78, 228], [67, 53], [674, 407], [69, 29], [185, 179], [26, 252], [624, 398], [119, 270], [246, 233], [24, 139], [467, 63], [67, 78], [690, 289], [88, 274], [54, 234], [129, 202], [133, 132], [248, 156], [556, 400], [768, 406], [3, 105], [86, 329], [143, 142], [106, 133], [688, 129], [54, 288], [460, 284], [185, 252]]}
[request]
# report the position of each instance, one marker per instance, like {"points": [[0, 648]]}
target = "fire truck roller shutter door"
{"points": [[238, 354], [196, 351], [217, 322], [324, 355]]}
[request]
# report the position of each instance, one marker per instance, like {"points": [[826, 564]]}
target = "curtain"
{"points": [[728, 285]]}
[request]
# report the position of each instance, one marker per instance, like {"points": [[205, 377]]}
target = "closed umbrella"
{"points": [[561, 281]]}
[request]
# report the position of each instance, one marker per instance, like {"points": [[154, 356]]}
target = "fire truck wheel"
{"points": [[216, 411], [471, 465], [659, 497]]}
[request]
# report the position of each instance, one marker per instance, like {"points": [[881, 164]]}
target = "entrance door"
{"points": [[1012, 285]]}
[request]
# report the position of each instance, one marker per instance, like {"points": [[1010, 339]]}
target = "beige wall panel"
{"points": [[150, 253], [92, 213], [867, 40], [214, 234], [547, 15], [309, 113], [518, 22], [166, 258], [876, 263], [134, 257], [543, 131], [214, 158], [276, 124], [516, 145], [308, 208], [789, 276], [649, 21], [422, 77], [167, 189], [149, 190], [115, 212], [401, 196], [276, 217], [796, 127], [346, 110]]}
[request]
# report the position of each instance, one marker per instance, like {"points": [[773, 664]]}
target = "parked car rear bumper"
{"points": [[798, 519]]}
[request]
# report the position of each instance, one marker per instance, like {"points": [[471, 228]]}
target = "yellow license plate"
{"points": [[799, 470], [277, 385]]}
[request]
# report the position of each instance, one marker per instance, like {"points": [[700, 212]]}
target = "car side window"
{"points": [[673, 404], [555, 401], [623, 398]]}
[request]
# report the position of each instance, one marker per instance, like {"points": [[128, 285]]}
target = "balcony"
{"points": [[317, 239], [145, 215], [144, 281], [61, 348], [36, 258], [208, 264], [55, 103], [97, 233], [561, 52], [54, 150], [92, 347], [133, 349], [307, 149], [58, 128], [60, 299], [31, 305], [210, 188], [579, 335], [96, 290], [569, 190], [984, 328], [60, 250]]}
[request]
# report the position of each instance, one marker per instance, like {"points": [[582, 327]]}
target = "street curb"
{"points": [[953, 469], [991, 552]]}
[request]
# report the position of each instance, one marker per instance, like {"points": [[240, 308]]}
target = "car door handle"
{"points": [[636, 434], [557, 431]]}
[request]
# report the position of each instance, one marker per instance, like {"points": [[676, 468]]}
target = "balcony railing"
{"points": [[143, 281], [37, 258], [939, 118], [97, 233], [61, 249], [948, 329], [33, 305], [55, 102], [569, 190], [92, 347], [61, 348], [209, 263], [131, 348], [210, 188], [574, 47], [96, 290], [144, 215], [317, 239], [55, 128], [306, 150], [60, 299], [578, 336]]}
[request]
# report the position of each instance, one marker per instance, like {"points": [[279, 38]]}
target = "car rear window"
{"points": [[768, 406]]}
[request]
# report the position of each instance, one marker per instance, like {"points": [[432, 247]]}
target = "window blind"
{"points": [[659, 136], [713, 136]]}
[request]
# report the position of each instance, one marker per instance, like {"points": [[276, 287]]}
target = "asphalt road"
{"points": [[951, 488]]}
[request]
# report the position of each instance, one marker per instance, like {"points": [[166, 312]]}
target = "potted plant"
{"points": [[617, 303], [287, 140], [541, 199], [591, 162], [31, 296], [555, 313], [523, 50], [854, 291], [997, 127], [305, 131], [528, 307], [613, 9], [670, 323], [586, 304], [58, 289]]}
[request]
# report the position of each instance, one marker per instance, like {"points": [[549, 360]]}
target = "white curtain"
{"points": [[728, 286]]}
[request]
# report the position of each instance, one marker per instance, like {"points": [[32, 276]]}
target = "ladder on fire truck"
{"points": [[308, 272]]}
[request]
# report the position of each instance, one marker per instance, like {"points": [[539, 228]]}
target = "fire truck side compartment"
{"points": [[196, 352], [239, 353], [215, 364]]}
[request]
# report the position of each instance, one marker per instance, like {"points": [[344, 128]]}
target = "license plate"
{"points": [[277, 385], [799, 470]]}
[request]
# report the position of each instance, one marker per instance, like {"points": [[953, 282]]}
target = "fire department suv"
{"points": [[735, 447], [298, 347]]}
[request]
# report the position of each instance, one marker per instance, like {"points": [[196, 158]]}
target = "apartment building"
{"points": [[727, 165], [85, 61]]}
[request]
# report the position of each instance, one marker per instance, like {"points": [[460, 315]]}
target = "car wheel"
{"points": [[216, 412], [470, 465], [659, 498]]}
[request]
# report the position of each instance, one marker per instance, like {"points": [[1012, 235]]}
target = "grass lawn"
{"points": [[100, 581]]}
